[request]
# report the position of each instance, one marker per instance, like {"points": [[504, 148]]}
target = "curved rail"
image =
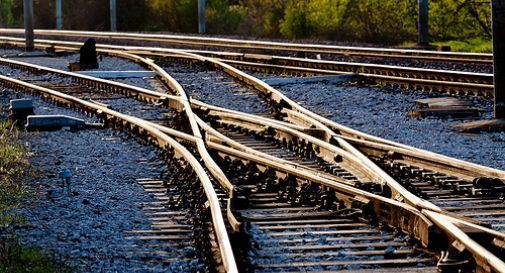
{"points": [[174, 85], [399, 192], [281, 99], [163, 141], [395, 215]]}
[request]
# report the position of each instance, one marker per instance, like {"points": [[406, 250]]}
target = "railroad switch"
{"points": [[487, 186], [454, 260]]}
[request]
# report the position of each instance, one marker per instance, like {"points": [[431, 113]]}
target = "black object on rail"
{"points": [[88, 58]]}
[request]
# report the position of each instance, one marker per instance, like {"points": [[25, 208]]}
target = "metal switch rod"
{"points": [[423, 21], [201, 16], [58, 15], [113, 15], [498, 17], [28, 18]]}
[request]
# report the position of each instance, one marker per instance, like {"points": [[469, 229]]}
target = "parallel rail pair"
{"points": [[237, 44], [431, 80]]}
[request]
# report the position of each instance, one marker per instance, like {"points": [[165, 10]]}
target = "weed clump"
{"points": [[14, 167]]}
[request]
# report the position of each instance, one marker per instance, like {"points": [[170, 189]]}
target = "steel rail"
{"points": [[442, 81], [195, 41], [399, 191], [398, 214], [163, 141], [396, 187], [345, 130], [334, 182], [174, 85], [341, 129], [365, 68], [486, 261], [414, 156], [160, 132]]}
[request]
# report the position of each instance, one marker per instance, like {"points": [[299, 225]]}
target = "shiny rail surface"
{"points": [[430, 80], [333, 184], [349, 224], [154, 137], [303, 211], [195, 41]]}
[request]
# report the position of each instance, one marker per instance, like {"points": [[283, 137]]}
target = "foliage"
{"points": [[470, 45], [374, 21], [175, 15], [13, 168], [262, 17], [17, 259], [222, 18], [460, 19], [8, 11], [135, 13]]}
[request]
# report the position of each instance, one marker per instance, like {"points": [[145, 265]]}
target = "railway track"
{"points": [[445, 187], [429, 80], [261, 46], [392, 248], [290, 188], [181, 215]]}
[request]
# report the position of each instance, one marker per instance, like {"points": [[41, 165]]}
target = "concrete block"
{"points": [[21, 105], [53, 121], [334, 79], [118, 74]]}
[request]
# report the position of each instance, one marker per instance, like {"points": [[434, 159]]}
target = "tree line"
{"points": [[369, 21]]}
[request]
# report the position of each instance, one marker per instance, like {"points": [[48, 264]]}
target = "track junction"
{"points": [[281, 188]]}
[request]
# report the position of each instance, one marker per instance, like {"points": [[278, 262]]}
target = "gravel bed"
{"points": [[469, 67], [383, 112], [106, 63], [216, 88], [86, 226]]}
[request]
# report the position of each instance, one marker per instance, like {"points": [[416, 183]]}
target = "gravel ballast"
{"points": [[86, 225], [88, 229], [383, 112], [89, 225]]}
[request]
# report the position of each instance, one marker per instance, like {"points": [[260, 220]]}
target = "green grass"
{"points": [[471, 45], [14, 167], [477, 45], [17, 259]]}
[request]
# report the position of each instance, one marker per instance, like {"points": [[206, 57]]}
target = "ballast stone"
{"points": [[53, 121]]}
